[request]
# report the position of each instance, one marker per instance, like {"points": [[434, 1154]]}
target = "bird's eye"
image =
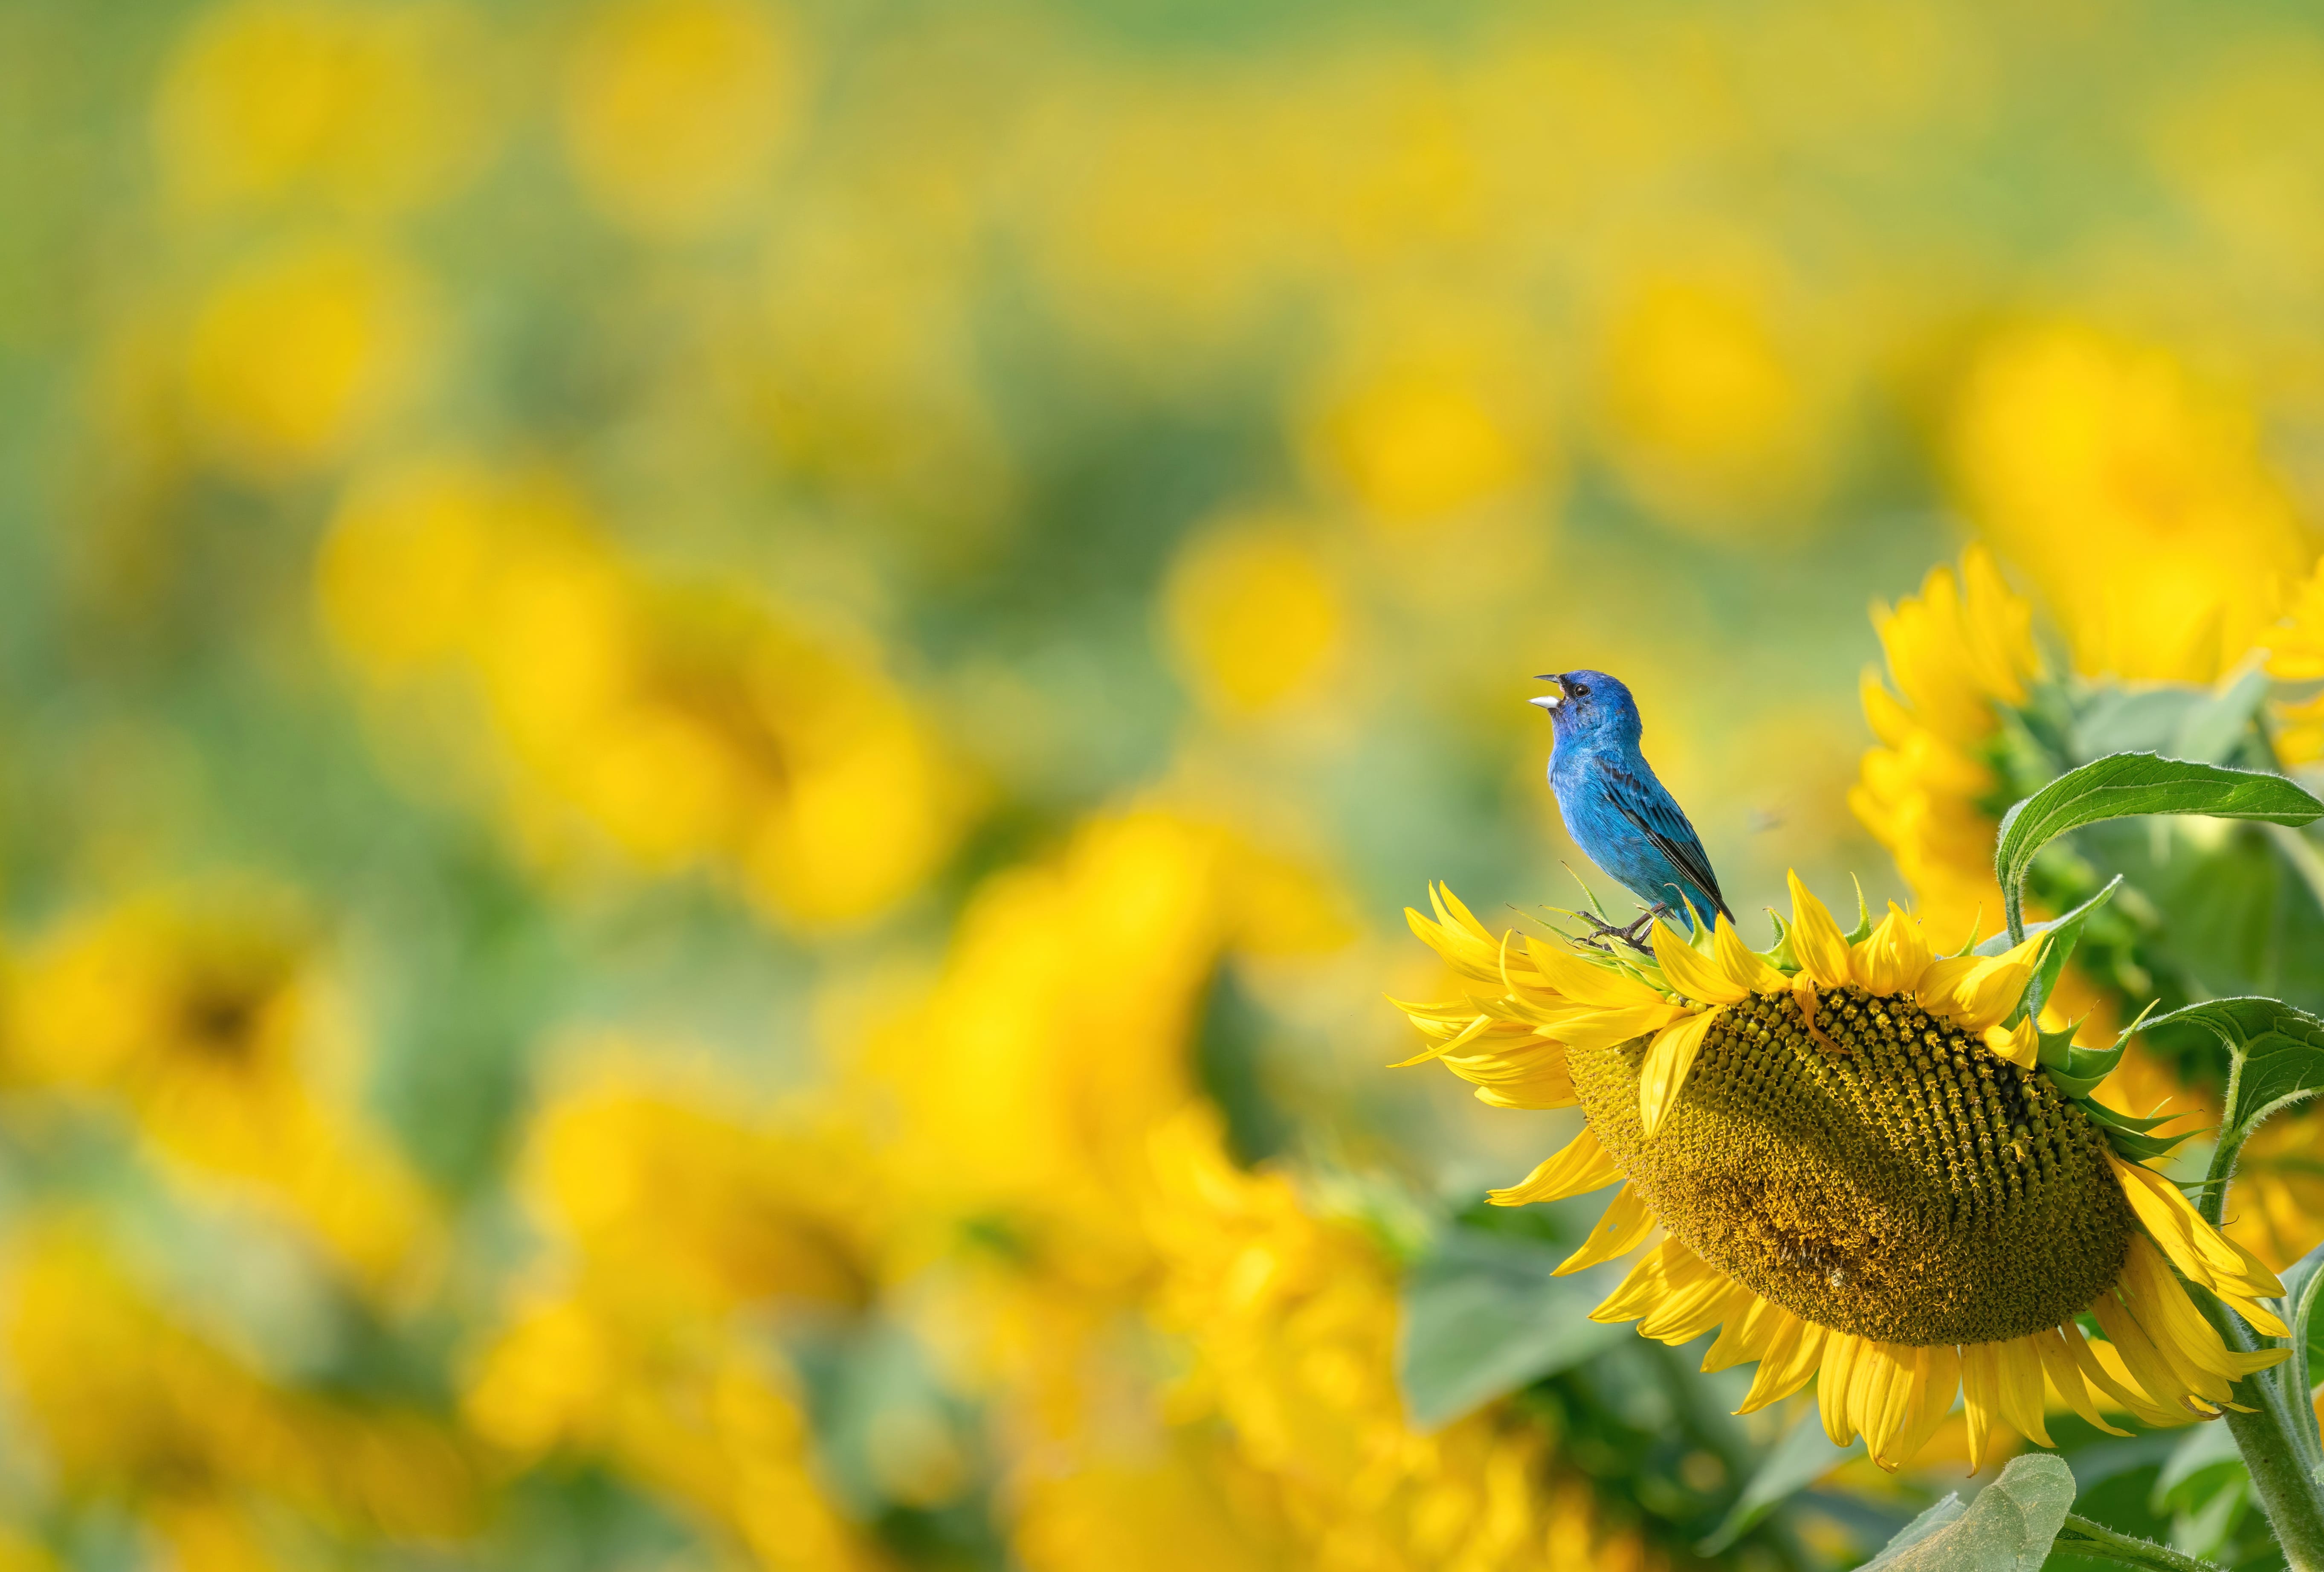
{"points": [[1580, 692]]}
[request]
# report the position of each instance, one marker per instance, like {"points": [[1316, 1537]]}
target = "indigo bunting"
{"points": [[1615, 809]]}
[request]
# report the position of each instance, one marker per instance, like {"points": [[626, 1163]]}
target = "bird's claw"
{"points": [[1632, 934]]}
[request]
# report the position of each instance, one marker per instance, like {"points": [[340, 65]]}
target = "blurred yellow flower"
{"points": [[2295, 653], [299, 354], [1711, 418], [1061, 1031], [693, 1410], [372, 108], [204, 1022], [675, 109], [1176, 1500], [2136, 498], [127, 1404], [1292, 1320], [684, 723], [1419, 443], [403, 573], [1255, 615], [677, 1222], [1956, 651], [674, 1195]]}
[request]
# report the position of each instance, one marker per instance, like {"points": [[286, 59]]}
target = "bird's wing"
{"points": [[1662, 822]]}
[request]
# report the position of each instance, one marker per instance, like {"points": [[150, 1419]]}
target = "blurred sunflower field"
{"points": [[714, 715]]}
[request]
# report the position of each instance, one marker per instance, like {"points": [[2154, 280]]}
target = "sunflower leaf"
{"points": [[2008, 1528], [2125, 785], [1484, 1314], [2277, 1047], [1802, 1457]]}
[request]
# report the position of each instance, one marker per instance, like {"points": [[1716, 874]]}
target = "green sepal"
{"points": [[1779, 955], [2057, 1046], [1863, 929], [2085, 1067], [2128, 1135]]}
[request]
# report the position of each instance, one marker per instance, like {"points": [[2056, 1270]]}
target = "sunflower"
{"points": [[1961, 653], [1859, 1171]]}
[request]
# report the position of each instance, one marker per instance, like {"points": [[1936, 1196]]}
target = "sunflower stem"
{"points": [[2082, 1537], [2268, 1435]]}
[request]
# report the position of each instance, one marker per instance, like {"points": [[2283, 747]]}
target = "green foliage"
{"points": [[1802, 1457], [2124, 785], [2008, 1528], [2277, 1051], [2205, 1489], [1483, 1317]]}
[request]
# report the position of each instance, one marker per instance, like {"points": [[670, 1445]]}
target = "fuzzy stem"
{"points": [[2268, 1437], [2082, 1537]]}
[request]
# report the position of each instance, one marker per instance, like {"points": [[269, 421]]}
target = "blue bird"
{"points": [[1616, 811]]}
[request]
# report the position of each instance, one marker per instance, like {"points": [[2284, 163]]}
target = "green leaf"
{"points": [[2211, 730], [2202, 1446], [2126, 720], [2279, 1051], [1800, 1459], [1483, 1317], [2008, 1528], [2203, 1488], [2123, 785]]}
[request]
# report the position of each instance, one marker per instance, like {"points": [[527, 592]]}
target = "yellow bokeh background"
{"points": [[713, 714]]}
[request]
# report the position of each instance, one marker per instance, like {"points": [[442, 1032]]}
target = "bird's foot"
{"points": [[1632, 934]]}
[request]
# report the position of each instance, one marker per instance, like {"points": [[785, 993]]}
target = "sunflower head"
{"points": [[1859, 1163], [1885, 1174]]}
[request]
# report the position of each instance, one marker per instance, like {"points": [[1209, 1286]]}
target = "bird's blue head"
{"points": [[1591, 709]]}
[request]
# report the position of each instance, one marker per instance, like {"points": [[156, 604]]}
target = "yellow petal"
{"points": [[2066, 1379], [2020, 1044], [1643, 1285], [2193, 1245], [2019, 1367], [1936, 1376], [1891, 958], [1746, 968], [1980, 1397], [2169, 1318], [1582, 1166], [1747, 1334], [1627, 1223], [1834, 1378], [1663, 1075], [1690, 973], [1793, 1356], [1878, 1394], [2149, 1365], [1975, 992], [1817, 943], [2103, 1367], [1690, 1310], [1585, 982]]}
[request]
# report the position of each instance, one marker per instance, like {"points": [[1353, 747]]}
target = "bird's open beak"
{"points": [[1548, 700]]}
